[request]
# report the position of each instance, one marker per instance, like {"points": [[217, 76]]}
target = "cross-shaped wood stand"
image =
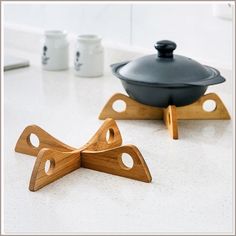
{"points": [[102, 153], [170, 115]]}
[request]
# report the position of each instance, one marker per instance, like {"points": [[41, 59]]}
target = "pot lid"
{"points": [[167, 69]]}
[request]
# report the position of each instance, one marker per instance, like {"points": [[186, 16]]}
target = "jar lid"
{"points": [[55, 33], [89, 38], [167, 69]]}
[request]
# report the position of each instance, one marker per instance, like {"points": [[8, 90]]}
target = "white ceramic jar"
{"points": [[55, 50], [89, 56]]}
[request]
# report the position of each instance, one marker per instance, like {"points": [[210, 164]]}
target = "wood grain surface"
{"points": [[170, 115], [103, 152]]}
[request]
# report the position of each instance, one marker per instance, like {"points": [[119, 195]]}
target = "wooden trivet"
{"points": [[137, 111], [102, 153]]}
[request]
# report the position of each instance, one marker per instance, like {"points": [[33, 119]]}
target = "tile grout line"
{"points": [[131, 25]]}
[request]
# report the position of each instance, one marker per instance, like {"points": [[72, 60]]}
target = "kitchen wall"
{"points": [[193, 26]]}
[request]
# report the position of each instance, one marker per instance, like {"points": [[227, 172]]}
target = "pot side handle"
{"points": [[115, 66]]}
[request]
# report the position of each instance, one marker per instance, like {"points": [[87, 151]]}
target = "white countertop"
{"points": [[192, 184]]}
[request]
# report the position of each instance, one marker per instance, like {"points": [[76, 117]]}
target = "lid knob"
{"points": [[165, 48]]}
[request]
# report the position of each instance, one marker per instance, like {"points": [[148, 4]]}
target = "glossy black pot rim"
{"points": [[214, 78]]}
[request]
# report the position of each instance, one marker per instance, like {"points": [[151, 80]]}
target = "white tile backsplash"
{"points": [[103, 19], [63, 17], [193, 26], [110, 21], [24, 14]]}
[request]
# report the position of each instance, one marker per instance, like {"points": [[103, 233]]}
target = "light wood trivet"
{"points": [[100, 153], [137, 111]]}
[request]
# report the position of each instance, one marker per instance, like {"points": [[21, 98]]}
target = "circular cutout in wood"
{"points": [[119, 106], [209, 105], [126, 161], [110, 136], [49, 166], [33, 140]]}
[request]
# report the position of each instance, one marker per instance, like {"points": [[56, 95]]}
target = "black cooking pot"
{"points": [[165, 79]]}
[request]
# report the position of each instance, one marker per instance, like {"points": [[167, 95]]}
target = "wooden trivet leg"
{"points": [[25, 146], [170, 120], [108, 136], [195, 111], [132, 111], [61, 163], [110, 161]]}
